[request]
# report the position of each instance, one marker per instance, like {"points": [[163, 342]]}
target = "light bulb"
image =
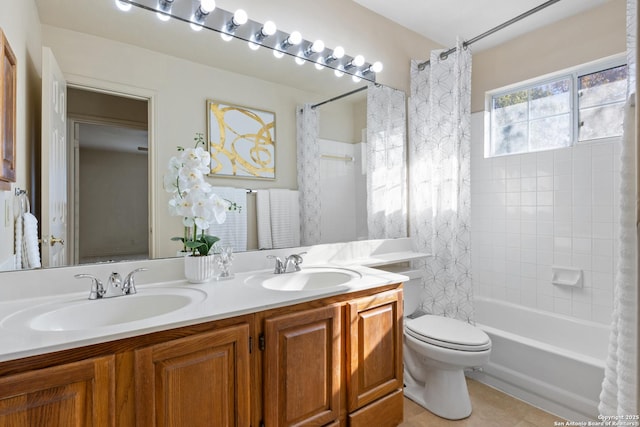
{"points": [[277, 53], [195, 27], [269, 28], [240, 17], [338, 52], [358, 61], [376, 67], [253, 46], [338, 73], [207, 5], [355, 79], [125, 7], [162, 16], [226, 37], [300, 61], [294, 38], [319, 66], [317, 46]]}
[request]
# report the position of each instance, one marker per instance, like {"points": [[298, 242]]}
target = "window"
{"points": [[556, 112], [601, 98]]}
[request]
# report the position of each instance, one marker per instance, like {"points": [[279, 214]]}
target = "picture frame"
{"points": [[8, 96], [241, 141]]}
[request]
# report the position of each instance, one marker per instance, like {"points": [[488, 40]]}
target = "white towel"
{"points": [[263, 213], [31, 250], [18, 243], [285, 218], [278, 212], [233, 232]]}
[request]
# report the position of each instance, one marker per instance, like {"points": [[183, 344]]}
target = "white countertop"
{"points": [[221, 299], [24, 293]]}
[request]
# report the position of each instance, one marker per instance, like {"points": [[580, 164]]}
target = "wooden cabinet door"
{"points": [[302, 368], [73, 395], [201, 380], [374, 348]]}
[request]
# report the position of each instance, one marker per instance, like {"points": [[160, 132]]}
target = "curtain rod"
{"points": [[536, 9], [344, 95]]}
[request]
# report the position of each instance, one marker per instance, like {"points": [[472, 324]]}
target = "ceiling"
{"points": [[443, 20]]}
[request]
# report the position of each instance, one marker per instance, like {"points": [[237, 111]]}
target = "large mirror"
{"points": [[132, 77]]}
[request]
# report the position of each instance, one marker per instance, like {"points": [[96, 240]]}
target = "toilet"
{"points": [[437, 349]]}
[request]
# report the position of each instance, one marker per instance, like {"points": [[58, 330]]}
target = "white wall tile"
{"points": [[534, 210]]}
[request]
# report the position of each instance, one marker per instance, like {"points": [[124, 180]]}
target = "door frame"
{"points": [[126, 91]]}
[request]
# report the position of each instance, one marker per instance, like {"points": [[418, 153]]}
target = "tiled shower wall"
{"points": [[532, 211]]}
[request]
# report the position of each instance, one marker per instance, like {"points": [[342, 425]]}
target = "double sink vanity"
{"points": [[321, 346]]}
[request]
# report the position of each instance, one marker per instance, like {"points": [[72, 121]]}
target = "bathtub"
{"points": [[551, 361]]}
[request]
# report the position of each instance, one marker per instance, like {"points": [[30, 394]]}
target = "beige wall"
{"points": [[591, 35], [27, 46]]}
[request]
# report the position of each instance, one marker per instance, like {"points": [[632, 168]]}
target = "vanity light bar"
{"points": [[218, 20]]}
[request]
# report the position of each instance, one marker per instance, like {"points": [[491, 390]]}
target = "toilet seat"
{"points": [[448, 333]]}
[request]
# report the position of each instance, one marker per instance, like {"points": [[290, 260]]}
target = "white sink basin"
{"points": [[309, 279], [82, 314]]}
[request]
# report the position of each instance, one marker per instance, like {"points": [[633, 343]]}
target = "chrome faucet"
{"points": [[289, 265], [115, 286]]}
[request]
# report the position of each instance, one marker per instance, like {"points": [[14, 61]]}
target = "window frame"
{"points": [[573, 73]]}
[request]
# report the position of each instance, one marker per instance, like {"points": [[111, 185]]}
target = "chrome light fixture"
{"points": [[337, 53], [315, 47], [268, 29], [357, 61], [376, 67], [205, 7], [238, 25], [239, 18]]}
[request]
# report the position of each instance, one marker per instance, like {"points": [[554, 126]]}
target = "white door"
{"points": [[54, 162]]}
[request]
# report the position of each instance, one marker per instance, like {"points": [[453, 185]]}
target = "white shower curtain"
{"points": [[439, 180], [308, 174], [619, 394], [386, 163]]}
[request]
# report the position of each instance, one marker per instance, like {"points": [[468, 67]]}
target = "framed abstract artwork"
{"points": [[241, 141]]}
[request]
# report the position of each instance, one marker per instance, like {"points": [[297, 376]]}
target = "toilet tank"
{"points": [[413, 290], [413, 293]]}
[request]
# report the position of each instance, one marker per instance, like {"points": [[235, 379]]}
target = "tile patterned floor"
{"points": [[491, 408]]}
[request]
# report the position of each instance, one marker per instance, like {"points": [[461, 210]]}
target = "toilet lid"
{"points": [[449, 333]]}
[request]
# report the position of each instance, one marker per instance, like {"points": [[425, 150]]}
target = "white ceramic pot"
{"points": [[199, 269]]}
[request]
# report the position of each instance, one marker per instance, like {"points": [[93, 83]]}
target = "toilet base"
{"points": [[443, 393]]}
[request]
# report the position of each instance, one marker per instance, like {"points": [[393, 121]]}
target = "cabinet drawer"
{"points": [[384, 412]]}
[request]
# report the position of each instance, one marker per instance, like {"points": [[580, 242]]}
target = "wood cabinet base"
{"points": [[384, 412]]}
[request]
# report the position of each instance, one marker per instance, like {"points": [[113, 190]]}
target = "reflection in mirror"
{"points": [[138, 59]]}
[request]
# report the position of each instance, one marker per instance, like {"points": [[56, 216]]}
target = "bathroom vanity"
{"points": [[243, 355]]}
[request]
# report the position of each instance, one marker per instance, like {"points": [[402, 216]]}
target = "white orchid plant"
{"points": [[193, 199]]}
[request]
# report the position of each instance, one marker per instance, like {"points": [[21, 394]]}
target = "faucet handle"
{"points": [[296, 259], [97, 290], [129, 286], [279, 268]]}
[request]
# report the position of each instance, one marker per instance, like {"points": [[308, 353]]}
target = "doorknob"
{"points": [[53, 240]]}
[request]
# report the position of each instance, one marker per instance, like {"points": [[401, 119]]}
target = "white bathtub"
{"points": [[552, 361]]}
